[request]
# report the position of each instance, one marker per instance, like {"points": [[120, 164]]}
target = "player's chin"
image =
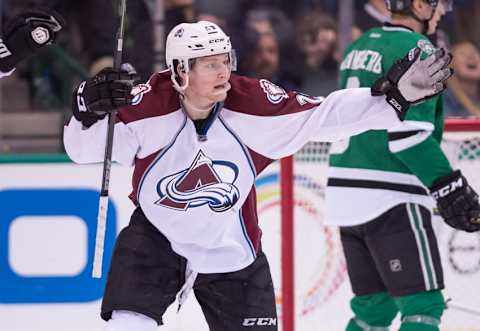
{"points": [[220, 93]]}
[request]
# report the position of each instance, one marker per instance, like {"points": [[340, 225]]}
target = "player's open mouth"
{"points": [[222, 87]]}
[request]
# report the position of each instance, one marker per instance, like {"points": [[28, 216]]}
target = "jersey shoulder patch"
{"points": [[426, 46], [261, 97], [138, 91], [157, 97], [275, 94]]}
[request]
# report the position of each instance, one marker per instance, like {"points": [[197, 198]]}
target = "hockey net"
{"points": [[311, 282]]}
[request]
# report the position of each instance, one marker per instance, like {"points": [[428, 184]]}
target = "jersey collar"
{"points": [[203, 125], [395, 27]]}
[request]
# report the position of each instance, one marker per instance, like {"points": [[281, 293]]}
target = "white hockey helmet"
{"points": [[188, 41]]}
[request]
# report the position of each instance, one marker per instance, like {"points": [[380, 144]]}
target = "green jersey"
{"points": [[374, 171]]}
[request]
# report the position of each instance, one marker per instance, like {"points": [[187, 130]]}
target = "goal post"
{"points": [[287, 245]]}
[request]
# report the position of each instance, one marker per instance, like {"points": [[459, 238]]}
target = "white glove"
{"points": [[412, 80]]}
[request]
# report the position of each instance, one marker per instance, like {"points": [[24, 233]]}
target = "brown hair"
{"points": [[310, 23]]}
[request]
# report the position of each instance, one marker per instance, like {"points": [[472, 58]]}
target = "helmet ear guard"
{"points": [[177, 66]]}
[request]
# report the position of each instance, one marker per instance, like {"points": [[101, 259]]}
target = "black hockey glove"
{"points": [[110, 89], [412, 80], [26, 34], [457, 202]]}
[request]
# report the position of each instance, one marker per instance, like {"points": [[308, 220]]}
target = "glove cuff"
{"points": [[383, 86], [446, 185], [398, 103], [79, 108]]}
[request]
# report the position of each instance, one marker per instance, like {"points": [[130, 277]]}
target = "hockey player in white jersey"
{"points": [[198, 136], [26, 34]]}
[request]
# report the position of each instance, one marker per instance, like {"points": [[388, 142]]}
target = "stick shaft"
{"points": [[117, 58], [107, 161], [464, 308], [100, 237]]}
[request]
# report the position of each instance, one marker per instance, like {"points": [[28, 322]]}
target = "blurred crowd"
{"points": [[295, 44]]}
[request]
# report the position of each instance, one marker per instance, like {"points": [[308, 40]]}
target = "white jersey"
{"points": [[196, 185]]}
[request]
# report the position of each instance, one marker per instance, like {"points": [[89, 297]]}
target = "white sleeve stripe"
{"points": [[399, 145], [412, 126]]}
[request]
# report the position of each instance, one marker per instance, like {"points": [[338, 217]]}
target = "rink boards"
{"points": [[47, 227]]}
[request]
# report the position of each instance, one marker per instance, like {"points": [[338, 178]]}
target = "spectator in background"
{"points": [[268, 51], [462, 98], [373, 13], [139, 38], [262, 61], [467, 24], [294, 8], [317, 42], [86, 45], [178, 11], [226, 15], [223, 13], [91, 27], [142, 32], [262, 17]]}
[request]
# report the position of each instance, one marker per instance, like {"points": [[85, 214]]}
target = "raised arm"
{"points": [[84, 137], [409, 81], [284, 127], [25, 35]]}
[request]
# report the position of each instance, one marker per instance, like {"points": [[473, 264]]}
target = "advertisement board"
{"points": [[48, 216]]}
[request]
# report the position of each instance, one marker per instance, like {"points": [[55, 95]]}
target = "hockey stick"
{"points": [[460, 307], [107, 161]]}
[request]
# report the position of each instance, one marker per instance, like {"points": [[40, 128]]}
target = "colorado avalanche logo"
{"points": [[275, 94], [200, 185], [138, 91]]}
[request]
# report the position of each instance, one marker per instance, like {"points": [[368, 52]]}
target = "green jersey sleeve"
{"points": [[426, 159], [414, 146]]}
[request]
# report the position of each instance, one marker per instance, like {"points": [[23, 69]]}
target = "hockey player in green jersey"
{"points": [[381, 184]]}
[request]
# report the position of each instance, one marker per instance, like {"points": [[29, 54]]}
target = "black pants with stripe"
{"points": [[396, 252], [146, 274]]}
